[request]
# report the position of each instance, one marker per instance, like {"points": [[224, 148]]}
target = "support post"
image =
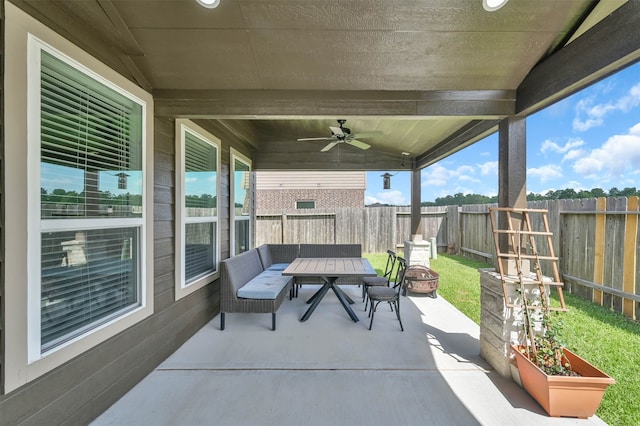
{"points": [[496, 323], [512, 175], [416, 218]]}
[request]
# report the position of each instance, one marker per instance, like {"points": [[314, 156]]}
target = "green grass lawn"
{"points": [[606, 339]]}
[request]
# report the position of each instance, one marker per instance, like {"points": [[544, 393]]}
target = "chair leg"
{"points": [[398, 314], [365, 297], [273, 321], [221, 320], [372, 312]]}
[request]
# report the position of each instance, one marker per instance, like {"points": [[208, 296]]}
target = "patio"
{"points": [[330, 370]]}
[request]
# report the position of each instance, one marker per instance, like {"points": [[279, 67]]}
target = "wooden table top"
{"points": [[330, 266]]}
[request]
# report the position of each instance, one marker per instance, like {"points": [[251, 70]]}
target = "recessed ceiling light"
{"points": [[493, 5], [210, 4]]}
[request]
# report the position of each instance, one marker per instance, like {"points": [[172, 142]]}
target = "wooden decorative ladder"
{"points": [[516, 236]]}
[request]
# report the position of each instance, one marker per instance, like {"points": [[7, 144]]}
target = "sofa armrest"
{"points": [[236, 271]]}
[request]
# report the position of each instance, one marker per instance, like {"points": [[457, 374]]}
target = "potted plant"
{"points": [[563, 383]]}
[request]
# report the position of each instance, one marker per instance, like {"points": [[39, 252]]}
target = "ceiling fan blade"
{"points": [[368, 134], [358, 144], [315, 139], [328, 147], [337, 131]]}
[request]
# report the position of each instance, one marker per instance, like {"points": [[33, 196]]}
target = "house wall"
{"points": [[270, 200], [277, 190], [81, 389]]}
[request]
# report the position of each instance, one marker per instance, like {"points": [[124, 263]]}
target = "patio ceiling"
{"points": [[433, 75]]}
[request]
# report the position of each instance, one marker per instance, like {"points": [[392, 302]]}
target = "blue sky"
{"points": [[588, 140]]}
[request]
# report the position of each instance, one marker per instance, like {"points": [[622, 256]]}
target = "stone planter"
{"points": [[564, 396]]}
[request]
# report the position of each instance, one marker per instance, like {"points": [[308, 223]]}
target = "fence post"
{"points": [[598, 261], [629, 256], [283, 225]]}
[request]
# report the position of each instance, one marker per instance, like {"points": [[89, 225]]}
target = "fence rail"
{"points": [[596, 240]]}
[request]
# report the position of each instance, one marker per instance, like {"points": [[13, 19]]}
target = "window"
{"points": [[90, 202], [79, 140], [241, 198], [197, 213], [306, 204]]}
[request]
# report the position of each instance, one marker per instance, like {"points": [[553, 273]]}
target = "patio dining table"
{"points": [[330, 269]]}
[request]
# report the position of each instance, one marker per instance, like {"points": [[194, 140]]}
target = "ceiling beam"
{"points": [[317, 104], [467, 135], [607, 47], [128, 44], [296, 156]]}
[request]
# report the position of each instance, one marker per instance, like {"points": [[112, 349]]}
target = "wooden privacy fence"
{"points": [[377, 229], [596, 240]]}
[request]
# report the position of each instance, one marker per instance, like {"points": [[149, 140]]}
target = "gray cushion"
{"points": [[375, 281], [383, 294], [278, 267], [264, 286]]}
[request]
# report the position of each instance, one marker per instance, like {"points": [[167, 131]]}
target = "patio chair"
{"points": [[391, 295], [380, 280]]}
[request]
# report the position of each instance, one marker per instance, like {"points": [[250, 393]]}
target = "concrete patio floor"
{"points": [[332, 371]]}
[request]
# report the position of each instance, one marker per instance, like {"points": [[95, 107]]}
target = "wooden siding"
{"points": [[310, 180], [78, 391]]}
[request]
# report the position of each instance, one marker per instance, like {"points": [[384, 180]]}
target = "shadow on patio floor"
{"points": [[332, 371]]}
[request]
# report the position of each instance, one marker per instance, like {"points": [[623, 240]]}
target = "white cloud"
{"points": [[545, 173], [438, 175], [575, 185], [488, 168], [618, 154], [574, 154], [435, 175], [550, 146], [589, 115], [386, 197], [467, 178], [465, 170]]}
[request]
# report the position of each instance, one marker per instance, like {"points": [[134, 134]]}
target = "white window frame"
{"points": [[24, 39], [236, 155], [183, 288]]}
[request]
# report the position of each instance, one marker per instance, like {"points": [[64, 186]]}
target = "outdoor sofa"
{"points": [[252, 282]]}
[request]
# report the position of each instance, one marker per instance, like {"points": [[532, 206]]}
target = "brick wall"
{"points": [[276, 199]]}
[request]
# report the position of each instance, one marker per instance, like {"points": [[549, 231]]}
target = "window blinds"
{"points": [[91, 137], [89, 133]]}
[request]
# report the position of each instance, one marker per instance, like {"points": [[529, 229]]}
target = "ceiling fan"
{"points": [[343, 135]]}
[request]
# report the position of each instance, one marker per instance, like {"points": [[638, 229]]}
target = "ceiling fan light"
{"points": [[209, 4], [493, 5]]}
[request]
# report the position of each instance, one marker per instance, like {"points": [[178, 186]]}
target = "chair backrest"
{"points": [[391, 261], [401, 269]]}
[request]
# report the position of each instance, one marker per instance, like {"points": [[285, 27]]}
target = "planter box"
{"points": [[563, 396]]}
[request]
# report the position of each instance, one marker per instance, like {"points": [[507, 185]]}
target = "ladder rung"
{"points": [[526, 256], [551, 308], [531, 281], [516, 210], [506, 231]]}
